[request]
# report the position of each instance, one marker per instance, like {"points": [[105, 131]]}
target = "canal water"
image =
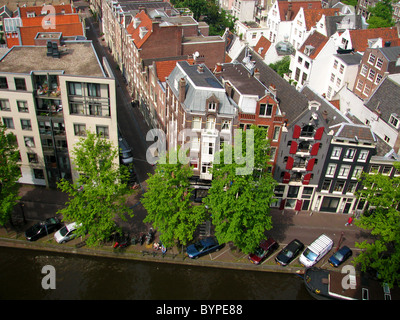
{"points": [[81, 278]]}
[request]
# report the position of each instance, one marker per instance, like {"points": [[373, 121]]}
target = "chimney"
{"points": [[272, 88], [289, 12], [200, 68], [182, 90], [257, 74]]}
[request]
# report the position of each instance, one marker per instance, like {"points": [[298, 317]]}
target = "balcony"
{"points": [[49, 108], [47, 86]]}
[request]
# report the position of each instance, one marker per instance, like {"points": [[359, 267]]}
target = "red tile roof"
{"points": [[317, 40], [263, 43], [164, 68], [312, 16], [38, 10], [294, 7], [145, 22], [359, 38]]}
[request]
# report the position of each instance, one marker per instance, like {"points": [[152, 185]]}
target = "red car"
{"points": [[265, 248]]}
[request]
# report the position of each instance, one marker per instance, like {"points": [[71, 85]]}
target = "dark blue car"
{"points": [[203, 246], [340, 256]]}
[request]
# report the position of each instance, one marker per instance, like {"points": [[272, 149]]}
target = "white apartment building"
{"points": [[48, 101]]}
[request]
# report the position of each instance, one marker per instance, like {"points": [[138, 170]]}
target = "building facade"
{"points": [[49, 101]]}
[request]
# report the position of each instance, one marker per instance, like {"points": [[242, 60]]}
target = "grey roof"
{"points": [[333, 22], [351, 131], [200, 86], [350, 58], [391, 53], [291, 102], [386, 99]]}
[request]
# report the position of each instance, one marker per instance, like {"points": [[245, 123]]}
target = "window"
{"points": [[349, 154], [352, 187], [196, 123], [360, 85], [307, 64], [338, 81], [371, 58], [4, 105], [379, 63], [210, 124], [307, 131], [339, 185], [102, 131], [332, 77], [330, 170], [364, 70], [374, 168], [226, 125], [38, 173], [265, 109], [212, 106], [29, 142], [210, 148], [367, 90], [75, 88], [344, 171], [22, 106], [335, 64], [387, 170], [26, 124], [371, 74], [9, 123], [336, 153], [326, 185], [394, 121], [341, 69], [378, 78], [386, 138], [32, 158], [357, 172], [95, 109], [363, 155], [275, 136], [3, 83], [195, 143], [20, 84], [80, 130], [93, 89]]}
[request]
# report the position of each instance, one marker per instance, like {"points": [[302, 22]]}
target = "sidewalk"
{"points": [[40, 203]]}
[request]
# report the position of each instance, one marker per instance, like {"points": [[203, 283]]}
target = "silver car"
{"points": [[66, 233]]}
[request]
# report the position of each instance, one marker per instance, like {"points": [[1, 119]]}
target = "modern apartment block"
{"points": [[49, 96]]}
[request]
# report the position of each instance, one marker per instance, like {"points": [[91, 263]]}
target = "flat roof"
{"points": [[76, 58]]}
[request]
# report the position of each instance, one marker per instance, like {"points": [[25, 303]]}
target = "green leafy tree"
{"points": [[99, 194], [381, 15], [282, 66], [242, 191], [168, 204], [9, 174], [383, 220]]}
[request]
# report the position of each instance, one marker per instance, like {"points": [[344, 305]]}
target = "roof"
{"points": [[77, 58], [312, 16], [200, 86], [58, 9], [386, 98], [351, 131], [317, 41], [164, 68], [288, 9], [291, 102], [145, 24], [262, 46], [14, 4], [391, 53], [359, 38], [351, 58]]}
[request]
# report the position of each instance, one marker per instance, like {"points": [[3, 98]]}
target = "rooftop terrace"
{"points": [[76, 58]]}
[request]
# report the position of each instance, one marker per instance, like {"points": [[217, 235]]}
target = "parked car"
{"points": [[66, 233], [289, 253], [265, 249], [202, 247], [340, 256], [43, 228]]}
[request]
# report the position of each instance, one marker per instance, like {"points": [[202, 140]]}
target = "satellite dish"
{"points": [[196, 54]]}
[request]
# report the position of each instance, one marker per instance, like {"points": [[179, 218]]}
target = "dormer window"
{"points": [[142, 32], [30, 14], [394, 120], [308, 50], [212, 106]]}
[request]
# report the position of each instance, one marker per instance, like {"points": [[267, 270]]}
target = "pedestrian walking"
{"points": [[349, 222]]}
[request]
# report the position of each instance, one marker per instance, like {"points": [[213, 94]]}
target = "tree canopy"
{"points": [[383, 220], [99, 194], [168, 201], [381, 15], [241, 192], [9, 174]]}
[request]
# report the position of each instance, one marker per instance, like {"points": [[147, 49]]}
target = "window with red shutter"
{"points": [[298, 205], [293, 147], [310, 164], [307, 178], [319, 133], [286, 177], [314, 149], [289, 163], [296, 132], [282, 205]]}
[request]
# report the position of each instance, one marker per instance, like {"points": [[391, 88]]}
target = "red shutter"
{"points": [[293, 147], [289, 163], [314, 149], [296, 132], [282, 205], [298, 205], [319, 133], [286, 177], [310, 164], [307, 178]]}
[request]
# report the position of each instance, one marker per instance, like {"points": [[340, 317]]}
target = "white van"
{"points": [[316, 250]]}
